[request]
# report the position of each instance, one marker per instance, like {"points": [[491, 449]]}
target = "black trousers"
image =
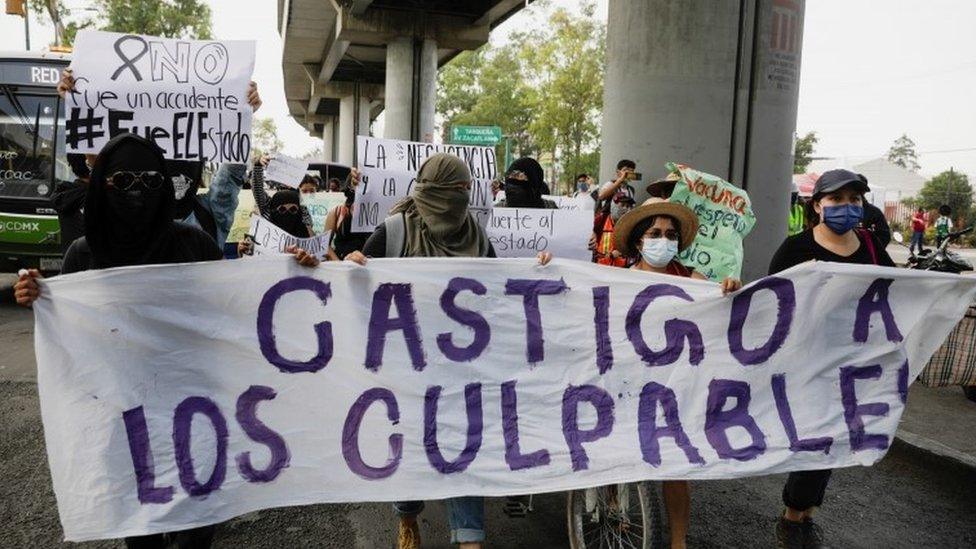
{"points": [[805, 489], [197, 538]]}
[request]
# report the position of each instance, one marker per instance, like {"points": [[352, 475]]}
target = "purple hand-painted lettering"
{"points": [[602, 402], [471, 319], [182, 422], [718, 420], [247, 417], [475, 414], [903, 382], [601, 321], [786, 305], [650, 432], [513, 452], [142, 459], [821, 444], [675, 330], [875, 300], [855, 412], [266, 332], [380, 324], [350, 435], [530, 290]]}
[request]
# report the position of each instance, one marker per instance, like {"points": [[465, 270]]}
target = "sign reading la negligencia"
{"points": [[389, 169], [189, 97]]}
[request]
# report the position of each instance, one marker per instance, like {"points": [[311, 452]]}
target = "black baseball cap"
{"points": [[833, 180]]}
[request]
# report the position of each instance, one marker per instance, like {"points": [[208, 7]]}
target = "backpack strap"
{"points": [[869, 242], [396, 235]]}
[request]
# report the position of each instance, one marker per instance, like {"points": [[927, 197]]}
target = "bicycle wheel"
{"points": [[617, 515]]}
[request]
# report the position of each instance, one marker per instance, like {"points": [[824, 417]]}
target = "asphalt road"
{"points": [[907, 500]]}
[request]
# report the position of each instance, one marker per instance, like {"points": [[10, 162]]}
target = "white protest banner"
{"points": [[583, 202], [286, 170], [524, 232], [403, 381], [388, 170], [270, 239], [318, 206], [187, 96]]}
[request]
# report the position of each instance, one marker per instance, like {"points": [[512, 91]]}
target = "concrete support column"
{"points": [[347, 130], [364, 108], [428, 90], [713, 85], [328, 141], [399, 88]]}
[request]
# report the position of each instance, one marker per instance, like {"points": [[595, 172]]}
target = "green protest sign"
{"points": [[242, 216], [318, 206], [725, 215], [476, 135]]}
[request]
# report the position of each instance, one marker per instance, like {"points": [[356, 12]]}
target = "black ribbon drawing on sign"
{"points": [[129, 62]]}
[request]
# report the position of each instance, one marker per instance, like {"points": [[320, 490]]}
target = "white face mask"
{"points": [[658, 252]]}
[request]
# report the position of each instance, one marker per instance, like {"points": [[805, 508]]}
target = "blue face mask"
{"points": [[841, 219]]}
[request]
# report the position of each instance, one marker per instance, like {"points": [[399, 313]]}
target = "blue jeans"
{"points": [[465, 515], [917, 239]]}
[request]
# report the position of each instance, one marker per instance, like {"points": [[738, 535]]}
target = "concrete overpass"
{"points": [[345, 61]]}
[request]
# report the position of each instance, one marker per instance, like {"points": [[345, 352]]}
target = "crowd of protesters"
{"points": [[129, 206]]}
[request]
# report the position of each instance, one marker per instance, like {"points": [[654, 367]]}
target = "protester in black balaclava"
{"points": [[69, 200], [285, 212], [524, 186], [129, 213]]}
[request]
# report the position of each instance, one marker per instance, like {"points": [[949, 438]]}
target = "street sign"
{"points": [[476, 135]]}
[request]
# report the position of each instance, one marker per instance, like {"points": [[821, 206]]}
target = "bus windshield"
{"points": [[31, 143]]}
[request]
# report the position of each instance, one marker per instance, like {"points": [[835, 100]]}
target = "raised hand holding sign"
{"points": [[192, 98]]}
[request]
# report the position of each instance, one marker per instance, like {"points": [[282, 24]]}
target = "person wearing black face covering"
{"points": [[129, 213], [524, 186], [69, 201], [285, 211]]}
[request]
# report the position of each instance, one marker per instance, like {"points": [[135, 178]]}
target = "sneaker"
{"points": [[790, 534], [812, 535], [409, 535]]}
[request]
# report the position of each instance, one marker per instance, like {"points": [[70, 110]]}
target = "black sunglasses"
{"points": [[124, 181], [288, 209]]}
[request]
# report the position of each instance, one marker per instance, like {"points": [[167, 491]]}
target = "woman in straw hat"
{"points": [[653, 234]]}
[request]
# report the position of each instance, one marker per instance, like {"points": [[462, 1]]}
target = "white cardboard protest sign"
{"points": [[583, 202], [524, 232], [388, 170], [318, 206], [414, 379], [187, 96], [286, 170], [268, 238]]}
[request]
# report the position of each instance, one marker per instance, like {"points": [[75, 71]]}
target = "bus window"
{"points": [[27, 144]]}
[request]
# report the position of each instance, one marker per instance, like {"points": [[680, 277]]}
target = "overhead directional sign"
{"points": [[476, 135]]}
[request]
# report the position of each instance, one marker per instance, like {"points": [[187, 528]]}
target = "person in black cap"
{"points": [[838, 207]]}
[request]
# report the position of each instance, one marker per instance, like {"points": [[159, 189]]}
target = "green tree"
{"points": [[264, 131], [902, 153], [949, 187], [169, 18], [544, 88], [803, 152], [567, 60]]}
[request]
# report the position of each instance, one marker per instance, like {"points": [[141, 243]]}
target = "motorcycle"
{"points": [[943, 260]]}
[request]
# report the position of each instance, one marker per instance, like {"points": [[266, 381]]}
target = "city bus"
{"points": [[32, 159]]}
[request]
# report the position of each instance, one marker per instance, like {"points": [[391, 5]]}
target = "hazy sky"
{"points": [[871, 70]]}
